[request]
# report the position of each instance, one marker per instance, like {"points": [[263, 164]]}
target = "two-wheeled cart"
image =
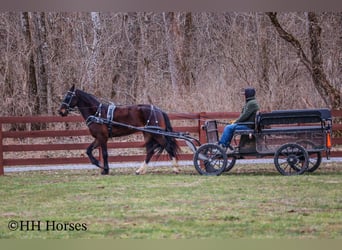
{"points": [[295, 139]]}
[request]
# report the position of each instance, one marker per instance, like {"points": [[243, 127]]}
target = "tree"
{"points": [[178, 47], [34, 28], [94, 49], [327, 91], [200, 60]]}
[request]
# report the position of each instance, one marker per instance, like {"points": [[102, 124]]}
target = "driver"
{"points": [[247, 115]]}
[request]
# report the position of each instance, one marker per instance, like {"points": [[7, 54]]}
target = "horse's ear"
{"points": [[72, 88]]}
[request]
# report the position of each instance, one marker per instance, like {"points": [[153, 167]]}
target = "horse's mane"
{"points": [[89, 97]]}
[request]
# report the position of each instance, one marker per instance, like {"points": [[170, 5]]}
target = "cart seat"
{"points": [[247, 143], [286, 117], [211, 131]]}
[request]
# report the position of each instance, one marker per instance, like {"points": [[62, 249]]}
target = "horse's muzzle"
{"points": [[63, 112]]}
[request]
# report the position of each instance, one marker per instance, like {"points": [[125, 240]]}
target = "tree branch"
{"points": [[291, 39]]}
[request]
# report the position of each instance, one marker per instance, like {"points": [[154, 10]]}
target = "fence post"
{"points": [[1, 153], [201, 133]]}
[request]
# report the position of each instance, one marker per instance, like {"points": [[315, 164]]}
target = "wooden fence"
{"points": [[61, 136]]}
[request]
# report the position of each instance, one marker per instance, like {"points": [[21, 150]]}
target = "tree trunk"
{"points": [[94, 52], [131, 30], [188, 33], [30, 66], [329, 94], [263, 60], [40, 57], [170, 33], [178, 47], [322, 84], [143, 60]]}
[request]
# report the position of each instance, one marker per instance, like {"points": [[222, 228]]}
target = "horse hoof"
{"points": [[176, 171], [105, 172], [140, 172]]}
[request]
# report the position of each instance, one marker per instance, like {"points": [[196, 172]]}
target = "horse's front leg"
{"points": [[90, 150], [104, 152]]}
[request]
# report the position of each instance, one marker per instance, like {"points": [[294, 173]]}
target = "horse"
{"points": [[108, 120]]}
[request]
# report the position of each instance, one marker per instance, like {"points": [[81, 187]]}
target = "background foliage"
{"points": [[200, 61]]}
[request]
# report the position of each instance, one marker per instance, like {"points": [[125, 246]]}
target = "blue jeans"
{"points": [[228, 132]]}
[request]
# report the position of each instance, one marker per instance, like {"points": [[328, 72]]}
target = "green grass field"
{"points": [[250, 202]]}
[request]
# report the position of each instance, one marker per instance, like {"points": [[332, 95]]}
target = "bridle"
{"points": [[66, 102]]}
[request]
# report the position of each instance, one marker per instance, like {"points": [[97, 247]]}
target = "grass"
{"points": [[249, 202]]}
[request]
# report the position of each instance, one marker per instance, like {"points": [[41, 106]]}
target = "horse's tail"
{"points": [[171, 146]]}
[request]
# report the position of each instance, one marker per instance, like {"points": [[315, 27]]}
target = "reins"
{"points": [[181, 115], [153, 110]]}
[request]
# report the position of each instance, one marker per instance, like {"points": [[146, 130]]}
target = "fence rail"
{"points": [[15, 144]]}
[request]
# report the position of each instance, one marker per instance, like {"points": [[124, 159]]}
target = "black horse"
{"points": [[99, 115]]}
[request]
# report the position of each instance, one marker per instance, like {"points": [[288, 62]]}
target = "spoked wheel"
{"points": [[210, 159], [315, 158], [291, 159], [231, 159]]}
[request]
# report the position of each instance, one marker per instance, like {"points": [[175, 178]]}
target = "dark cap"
{"points": [[249, 92]]}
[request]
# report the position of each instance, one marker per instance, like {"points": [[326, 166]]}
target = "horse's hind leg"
{"points": [[105, 159], [150, 148], [143, 168], [172, 154], [175, 165]]}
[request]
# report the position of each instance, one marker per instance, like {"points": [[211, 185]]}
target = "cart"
{"points": [[295, 139]]}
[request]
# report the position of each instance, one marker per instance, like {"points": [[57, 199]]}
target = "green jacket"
{"points": [[249, 111]]}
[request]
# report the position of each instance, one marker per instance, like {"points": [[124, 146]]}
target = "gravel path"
{"points": [[135, 165]]}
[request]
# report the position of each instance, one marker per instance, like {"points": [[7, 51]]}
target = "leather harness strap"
{"points": [[110, 117]]}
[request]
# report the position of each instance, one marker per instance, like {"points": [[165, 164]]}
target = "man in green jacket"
{"points": [[247, 115]]}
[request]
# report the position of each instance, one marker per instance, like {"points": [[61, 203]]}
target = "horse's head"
{"points": [[69, 102]]}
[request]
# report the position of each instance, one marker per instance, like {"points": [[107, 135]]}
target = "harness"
{"points": [[110, 112], [152, 113], [99, 120], [110, 117], [109, 120]]}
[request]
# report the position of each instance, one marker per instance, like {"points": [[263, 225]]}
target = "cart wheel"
{"points": [[210, 159], [315, 158], [230, 163], [231, 159], [291, 159]]}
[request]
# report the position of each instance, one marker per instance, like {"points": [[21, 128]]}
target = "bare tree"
{"points": [[263, 53], [94, 49], [39, 36], [178, 48], [328, 92], [136, 57]]}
